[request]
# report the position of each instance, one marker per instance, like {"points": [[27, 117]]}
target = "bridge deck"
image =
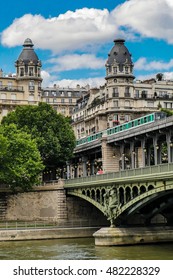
{"points": [[155, 172]]}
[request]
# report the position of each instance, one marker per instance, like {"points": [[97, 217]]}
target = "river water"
{"points": [[81, 249]]}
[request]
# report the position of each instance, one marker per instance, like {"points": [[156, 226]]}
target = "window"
{"points": [[115, 103], [31, 86], [127, 118], [62, 100], [115, 92], [63, 111], [70, 100], [115, 70], [13, 96], [136, 93], [168, 105], [31, 71], [21, 71], [9, 85], [127, 92], [3, 96]]}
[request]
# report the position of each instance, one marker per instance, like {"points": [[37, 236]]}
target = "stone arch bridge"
{"points": [[126, 196]]}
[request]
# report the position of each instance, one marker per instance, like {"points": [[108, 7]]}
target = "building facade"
{"points": [[122, 98], [25, 86]]}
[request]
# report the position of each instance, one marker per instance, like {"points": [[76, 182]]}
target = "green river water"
{"points": [[81, 249]]}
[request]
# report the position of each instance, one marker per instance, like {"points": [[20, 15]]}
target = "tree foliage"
{"points": [[20, 160], [167, 111], [52, 132]]}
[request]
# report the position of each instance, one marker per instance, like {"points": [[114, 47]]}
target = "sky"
{"points": [[72, 38]]}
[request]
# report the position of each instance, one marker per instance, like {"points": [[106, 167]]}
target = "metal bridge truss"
{"points": [[124, 195]]}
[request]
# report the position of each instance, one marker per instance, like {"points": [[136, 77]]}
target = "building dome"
{"points": [[119, 55], [28, 54], [28, 64]]}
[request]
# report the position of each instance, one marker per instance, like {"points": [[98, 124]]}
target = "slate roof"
{"points": [[28, 54], [119, 54]]}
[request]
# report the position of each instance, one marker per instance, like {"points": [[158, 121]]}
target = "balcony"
{"points": [[31, 88], [11, 88]]}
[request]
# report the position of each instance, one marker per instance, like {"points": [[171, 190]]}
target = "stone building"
{"points": [[25, 86], [122, 98], [63, 100]]}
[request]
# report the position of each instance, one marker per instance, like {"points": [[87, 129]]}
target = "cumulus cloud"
{"points": [[49, 80], [76, 61], [86, 27], [148, 18], [143, 64], [68, 31]]}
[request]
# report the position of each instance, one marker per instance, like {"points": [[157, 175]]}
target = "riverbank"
{"points": [[53, 233]]}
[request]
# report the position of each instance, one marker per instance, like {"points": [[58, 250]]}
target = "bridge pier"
{"points": [[115, 236]]}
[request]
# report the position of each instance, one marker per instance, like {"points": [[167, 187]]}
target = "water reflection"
{"points": [[81, 249]]}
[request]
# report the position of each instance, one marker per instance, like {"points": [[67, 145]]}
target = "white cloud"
{"points": [[69, 31], [49, 81], [76, 61], [83, 28], [92, 82], [143, 64], [166, 76], [149, 18]]}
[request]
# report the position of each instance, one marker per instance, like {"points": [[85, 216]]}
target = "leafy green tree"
{"points": [[167, 111], [20, 160], [52, 132]]}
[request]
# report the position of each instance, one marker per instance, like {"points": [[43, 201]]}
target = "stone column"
{"points": [[110, 156], [157, 151], [169, 147], [132, 153], [122, 156], [68, 170], [84, 166], [142, 154]]}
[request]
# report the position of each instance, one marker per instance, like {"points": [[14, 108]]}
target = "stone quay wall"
{"points": [[50, 203]]}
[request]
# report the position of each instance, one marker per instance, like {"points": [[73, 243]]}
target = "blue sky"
{"points": [[73, 37]]}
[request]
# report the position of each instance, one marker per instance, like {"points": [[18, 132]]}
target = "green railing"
{"points": [[157, 171], [28, 225]]}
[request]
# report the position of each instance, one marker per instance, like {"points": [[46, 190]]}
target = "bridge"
{"points": [[134, 196]]}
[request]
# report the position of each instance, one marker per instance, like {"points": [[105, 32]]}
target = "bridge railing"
{"points": [[154, 169]]}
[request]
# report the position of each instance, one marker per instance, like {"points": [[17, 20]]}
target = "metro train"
{"points": [[125, 126]]}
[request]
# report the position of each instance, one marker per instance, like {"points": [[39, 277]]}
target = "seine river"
{"points": [[81, 249]]}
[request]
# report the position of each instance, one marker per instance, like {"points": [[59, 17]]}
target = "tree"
{"points": [[167, 111], [52, 132], [20, 160], [159, 76]]}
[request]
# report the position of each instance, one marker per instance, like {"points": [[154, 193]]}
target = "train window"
{"points": [[139, 121], [132, 123], [129, 125], [145, 119], [121, 127]]}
